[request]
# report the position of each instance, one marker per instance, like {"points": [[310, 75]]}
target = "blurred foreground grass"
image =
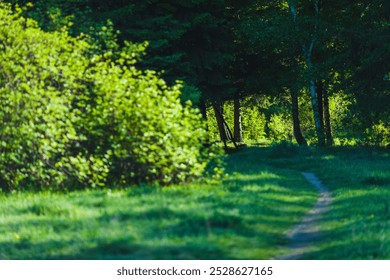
{"points": [[246, 216]]}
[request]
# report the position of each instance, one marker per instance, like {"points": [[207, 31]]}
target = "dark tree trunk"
{"points": [[320, 98], [237, 121], [220, 123], [203, 111], [203, 108], [296, 123], [317, 117], [328, 125], [224, 131]]}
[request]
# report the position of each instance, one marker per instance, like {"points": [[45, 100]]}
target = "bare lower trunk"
{"points": [[296, 123], [203, 108], [224, 131], [328, 126], [317, 120], [220, 124], [320, 94], [237, 121], [203, 111]]}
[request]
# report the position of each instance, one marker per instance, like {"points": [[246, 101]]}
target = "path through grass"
{"points": [[247, 216], [358, 223]]}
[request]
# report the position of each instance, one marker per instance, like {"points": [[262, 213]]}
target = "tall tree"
{"points": [[308, 43]]}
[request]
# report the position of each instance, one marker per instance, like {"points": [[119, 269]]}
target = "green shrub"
{"points": [[152, 137], [253, 124], [280, 128], [378, 135], [72, 115], [39, 82]]}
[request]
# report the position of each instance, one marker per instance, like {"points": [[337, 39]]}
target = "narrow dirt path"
{"points": [[303, 235]]}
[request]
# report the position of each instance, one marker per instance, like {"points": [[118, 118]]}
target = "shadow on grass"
{"points": [[246, 216]]}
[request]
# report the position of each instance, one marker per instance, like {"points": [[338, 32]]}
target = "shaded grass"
{"points": [[244, 217]]}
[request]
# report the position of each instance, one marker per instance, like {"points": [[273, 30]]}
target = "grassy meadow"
{"points": [[246, 216]]}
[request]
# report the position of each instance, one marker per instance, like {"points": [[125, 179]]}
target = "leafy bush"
{"points": [[378, 135], [73, 117], [253, 124], [280, 128]]}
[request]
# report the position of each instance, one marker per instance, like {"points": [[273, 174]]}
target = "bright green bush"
{"points": [[150, 133], [378, 135], [70, 117], [280, 128], [253, 124], [39, 74]]}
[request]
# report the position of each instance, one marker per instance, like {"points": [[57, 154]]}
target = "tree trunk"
{"points": [[220, 123], [307, 50], [328, 126], [296, 123], [203, 111], [237, 121], [317, 120], [320, 94], [203, 108]]}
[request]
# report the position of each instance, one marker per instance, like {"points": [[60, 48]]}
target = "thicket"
{"points": [[76, 114]]}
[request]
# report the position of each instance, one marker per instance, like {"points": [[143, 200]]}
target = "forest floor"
{"points": [[248, 215]]}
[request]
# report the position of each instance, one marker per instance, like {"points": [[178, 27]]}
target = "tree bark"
{"points": [[328, 126], [320, 98], [203, 108], [224, 130], [220, 123], [296, 123], [307, 50], [317, 121], [237, 121]]}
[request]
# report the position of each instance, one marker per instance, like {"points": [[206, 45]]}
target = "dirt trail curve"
{"points": [[303, 235]]}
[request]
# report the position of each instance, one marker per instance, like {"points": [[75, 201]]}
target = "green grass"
{"points": [[246, 216], [358, 223]]}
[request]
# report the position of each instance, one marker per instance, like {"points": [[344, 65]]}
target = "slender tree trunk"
{"points": [[328, 126], [296, 123], [320, 98], [237, 121], [203, 108], [203, 111], [307, 49], [220, 123], [317, 120]]}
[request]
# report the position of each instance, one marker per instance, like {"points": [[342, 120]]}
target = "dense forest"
{"points": [[92, 87]]}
